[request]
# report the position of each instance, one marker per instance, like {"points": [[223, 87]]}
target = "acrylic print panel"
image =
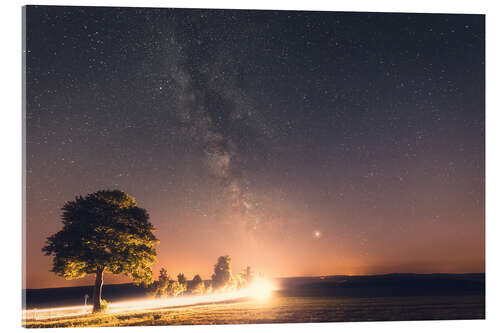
{"points": [[191, 166]]}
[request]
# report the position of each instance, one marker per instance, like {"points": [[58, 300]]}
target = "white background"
{"points": [[11, 158]]}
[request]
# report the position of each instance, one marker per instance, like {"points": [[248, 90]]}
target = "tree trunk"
{"points": [[98, 290]]}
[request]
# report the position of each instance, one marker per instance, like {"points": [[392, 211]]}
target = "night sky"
{"points": [[299, 143]]}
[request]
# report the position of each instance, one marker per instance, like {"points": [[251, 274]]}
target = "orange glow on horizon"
{"points": [[260, 289]]}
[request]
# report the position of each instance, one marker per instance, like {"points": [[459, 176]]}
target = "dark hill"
{"points": [[390, 285], [387, 285]]}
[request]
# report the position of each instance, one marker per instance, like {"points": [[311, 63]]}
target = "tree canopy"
{"points": [[196, 286], [102, 232], [181, 278], [245, 277], [223, 275]]}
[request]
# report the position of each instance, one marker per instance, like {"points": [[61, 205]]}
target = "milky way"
{"points": [[300, 143]]}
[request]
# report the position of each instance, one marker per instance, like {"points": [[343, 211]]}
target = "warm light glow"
{"points": [[261, 288]]}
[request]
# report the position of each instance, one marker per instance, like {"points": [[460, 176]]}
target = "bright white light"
{"points": [[261, 288]]}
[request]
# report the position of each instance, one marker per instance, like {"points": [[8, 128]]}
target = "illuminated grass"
{"points": [[279, 309]]}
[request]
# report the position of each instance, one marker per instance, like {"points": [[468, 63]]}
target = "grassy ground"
{"points": [[281, 309], [193, 315]]}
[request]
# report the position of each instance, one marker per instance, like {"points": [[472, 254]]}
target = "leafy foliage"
{"points": [[247, 275], [244, 278], [223, 276], [159, 287], [222, 280], [175, 288], [103, 230], [196, 286], [181, 278], [164, 286]]}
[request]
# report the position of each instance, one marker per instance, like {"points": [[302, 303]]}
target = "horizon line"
{"points": [[283, 277]]}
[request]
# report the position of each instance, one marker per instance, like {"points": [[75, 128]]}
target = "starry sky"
{"points": [[299, 143]]}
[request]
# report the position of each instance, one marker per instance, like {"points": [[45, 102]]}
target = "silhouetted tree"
{"points": [[245, 277], [159, 287], [175, 288], [102, 232], [164, 286], [247, 274], [207, 287], [196, 286], [181, 278], [222, 276]]}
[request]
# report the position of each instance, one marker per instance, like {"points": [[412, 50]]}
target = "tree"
{"points": [[102, 232], [164, 286], [196, 286], [181, 278], [159, 287], [207, 287], [175, 288], [222, 276], [245, 277]]}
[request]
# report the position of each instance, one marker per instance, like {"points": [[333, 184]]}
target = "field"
{"points": [[330, 299], [283, 309]]}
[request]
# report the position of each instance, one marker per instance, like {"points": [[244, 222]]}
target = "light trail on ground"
{"points": [[260, 289]]}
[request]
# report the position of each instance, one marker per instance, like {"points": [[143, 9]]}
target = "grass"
{"points": [[280, 309], [193, 315]]}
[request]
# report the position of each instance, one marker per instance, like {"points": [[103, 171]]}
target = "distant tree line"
{"points": [[222, 280]]}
